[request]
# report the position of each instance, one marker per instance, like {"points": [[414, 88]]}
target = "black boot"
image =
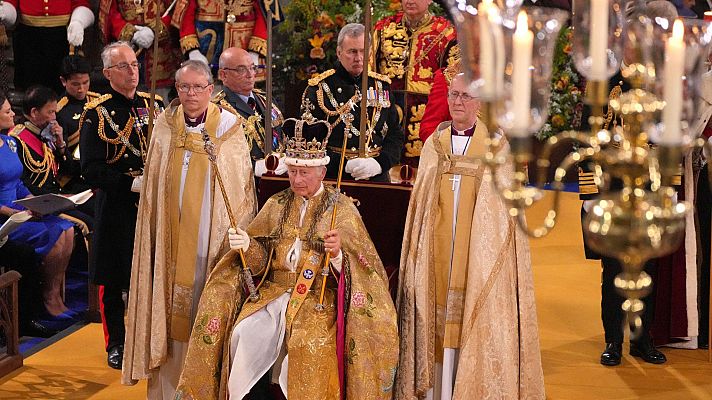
{"points": [[645, 350], [115, 356], [611, 356]]}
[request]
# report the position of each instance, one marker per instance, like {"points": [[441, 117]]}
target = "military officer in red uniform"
{"points": [[409, 47], [222, 24], [136, 22], [42, 37]]}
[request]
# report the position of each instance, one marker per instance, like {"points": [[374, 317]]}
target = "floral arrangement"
{"points": [[565, 105]]}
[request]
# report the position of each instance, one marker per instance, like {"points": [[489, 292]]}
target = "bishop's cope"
{"points": [[317, 344], [467, 316], [335, 96]]}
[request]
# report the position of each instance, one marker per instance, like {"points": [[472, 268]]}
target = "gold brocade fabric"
{"points": [[186, 220], [371, 333], [499, 310], [154, 264], [451, 258]]}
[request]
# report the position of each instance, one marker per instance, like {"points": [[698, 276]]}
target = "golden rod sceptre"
{"points": [[268, 87], [246, 273], [327, 258]]}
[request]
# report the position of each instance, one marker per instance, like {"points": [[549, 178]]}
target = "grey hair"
{"points": [[197, 66], [351, 30], [654, 9], [106, 51]]}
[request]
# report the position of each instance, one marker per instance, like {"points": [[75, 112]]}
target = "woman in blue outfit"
{"points": [[51, 237]]}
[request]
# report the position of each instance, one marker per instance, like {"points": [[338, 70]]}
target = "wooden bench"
{"points": [[10, 357]]}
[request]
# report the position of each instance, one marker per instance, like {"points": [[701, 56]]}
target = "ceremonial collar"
{"points": [[466, 132], [72, 99], [123, 100], [346, 75], [32, 127]]}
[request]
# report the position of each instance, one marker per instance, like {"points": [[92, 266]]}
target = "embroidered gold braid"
{"points": [[427, 50], [122, 136], [40, 168]]}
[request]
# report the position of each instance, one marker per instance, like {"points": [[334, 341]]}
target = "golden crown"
{"points": [[306, 141]]}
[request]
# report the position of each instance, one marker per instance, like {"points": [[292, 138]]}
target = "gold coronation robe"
{"points": [[370, 335], [487, 308], [159, 306]]}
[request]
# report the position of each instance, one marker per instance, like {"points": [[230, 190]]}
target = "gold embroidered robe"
{"points": [[154, 267], [371, 337], [499, 345]]}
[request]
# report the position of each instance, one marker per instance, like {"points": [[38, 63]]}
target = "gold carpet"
{"points": [[568, 300]]}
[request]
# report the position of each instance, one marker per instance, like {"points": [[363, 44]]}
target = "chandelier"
{"points": [[507, 51]]}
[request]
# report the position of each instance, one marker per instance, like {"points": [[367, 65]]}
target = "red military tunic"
{"points": [[437, 109], [411, 58], [227, 23], [46, 13], [118, 20]]}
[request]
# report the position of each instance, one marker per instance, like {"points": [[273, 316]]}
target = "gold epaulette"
{"points": [[147, 95], [218, 97], [16, 130], [61, 103], [379, 77], [93, 95], [259, 91], [315, 80], [92, 104]]}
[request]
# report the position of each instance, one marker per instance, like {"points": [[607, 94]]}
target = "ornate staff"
{"points": [[268, 87], [212, 157], [364, 81], [325, 269]]}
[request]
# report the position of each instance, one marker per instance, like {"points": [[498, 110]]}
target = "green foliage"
{"points": [[566, 94]]}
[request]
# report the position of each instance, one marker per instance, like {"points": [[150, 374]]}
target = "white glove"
{"points": [[197, 55], [705, 150], [260, 168], [238, 239], [136, 184], [82, 18], [8, 14], [143, 37], [588, 204], [281, 167], [363, 168]]}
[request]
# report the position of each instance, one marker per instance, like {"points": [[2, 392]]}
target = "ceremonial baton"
{"points": [[327, 258], [246, 273], [268, 87]]}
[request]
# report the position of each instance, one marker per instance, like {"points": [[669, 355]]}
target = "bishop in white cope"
{"points": [[466, 308]]}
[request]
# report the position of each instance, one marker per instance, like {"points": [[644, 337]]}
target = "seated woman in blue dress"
{"points": [[51, 237]]}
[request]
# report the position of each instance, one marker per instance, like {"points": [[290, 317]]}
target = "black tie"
{"points": [[251, 103]]}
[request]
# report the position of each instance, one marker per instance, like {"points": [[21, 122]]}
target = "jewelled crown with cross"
{"points": [[306, 142]]}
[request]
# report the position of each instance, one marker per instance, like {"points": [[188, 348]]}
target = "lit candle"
{"points": [[521, 76], [672, 89], [487, 55], [598, 44]]}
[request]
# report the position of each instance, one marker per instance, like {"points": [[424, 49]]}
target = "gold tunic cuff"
{"points": [[188, 43], [258, 45], [127, 33]]}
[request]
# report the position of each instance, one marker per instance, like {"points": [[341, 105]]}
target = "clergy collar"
{"points": [[193, 122], [466, 132]]}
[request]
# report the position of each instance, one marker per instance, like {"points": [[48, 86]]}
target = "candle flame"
{"points": [[522, 23], [678, 29]]}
